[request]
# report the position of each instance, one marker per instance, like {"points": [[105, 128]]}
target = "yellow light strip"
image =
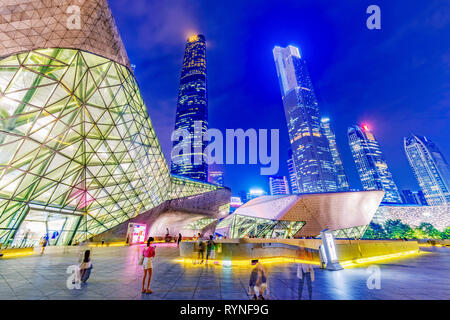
{"points": [[247, 262], [9, 255], [350, 263]]}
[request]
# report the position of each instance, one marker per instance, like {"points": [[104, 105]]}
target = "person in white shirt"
{"points": [[305, 271]]}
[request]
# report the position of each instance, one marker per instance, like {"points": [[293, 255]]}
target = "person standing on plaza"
{"points": [[305, 271], [210, 246], [258, 282], [201, 250], [180, 237], [148, 254]]}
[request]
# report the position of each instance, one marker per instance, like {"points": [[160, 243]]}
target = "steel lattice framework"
{"points": [[77, 148]]}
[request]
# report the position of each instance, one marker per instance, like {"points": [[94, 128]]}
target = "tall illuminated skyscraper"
{"points": [[192, 112], [292, 173], [430, 169], [337, 160], [311, 154], [372, 167]]}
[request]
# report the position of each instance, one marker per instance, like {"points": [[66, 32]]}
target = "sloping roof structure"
{"points": [[319, 211]]}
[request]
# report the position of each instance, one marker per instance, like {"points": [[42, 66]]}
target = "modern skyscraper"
{"points": [[278, 185], [372, 167], [292, 173], [216, 177], [430, 169], [192, 112], [311, 154], [337, 160]]}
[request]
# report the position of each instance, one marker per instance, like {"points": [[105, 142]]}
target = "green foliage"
{"points": [[395, 229], [375, 231], [398, 230], [430, 231], [446, 233]]}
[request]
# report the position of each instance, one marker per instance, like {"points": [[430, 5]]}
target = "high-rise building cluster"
{"points": [[314, 161]]}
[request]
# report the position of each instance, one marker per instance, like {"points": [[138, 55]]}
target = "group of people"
{"points": [[305, 272], [210, 247]]}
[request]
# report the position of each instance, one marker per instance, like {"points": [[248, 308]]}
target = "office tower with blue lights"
{"points": [[192, 108], [372, 168], [337, 160], [278, 185], [311, 154], [292, 173], [216, 177], [430, 169]]}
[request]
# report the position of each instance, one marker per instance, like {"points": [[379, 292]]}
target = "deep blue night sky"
{"points": [[396, 79]]}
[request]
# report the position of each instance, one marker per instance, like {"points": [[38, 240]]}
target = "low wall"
{"points": [[240, 249], [363, 249]]}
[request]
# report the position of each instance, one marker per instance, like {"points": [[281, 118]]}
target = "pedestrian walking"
{"points": [[210, 246], [305, 271], [258, 282]]}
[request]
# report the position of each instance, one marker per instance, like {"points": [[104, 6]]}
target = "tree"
{"points": [[375, 231], [397, 230], [446, 233], [430, 231]]}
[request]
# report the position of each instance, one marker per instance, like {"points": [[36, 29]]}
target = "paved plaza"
{"points": [[116, 275]]}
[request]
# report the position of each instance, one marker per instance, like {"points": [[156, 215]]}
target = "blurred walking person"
{"points": [[305, 271], [210, 246], [148, 255], [44, 242], [258, 282], [86, 266]]}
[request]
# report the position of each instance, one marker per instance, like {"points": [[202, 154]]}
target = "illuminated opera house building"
{"points": [[78, 152], [346, 214]]}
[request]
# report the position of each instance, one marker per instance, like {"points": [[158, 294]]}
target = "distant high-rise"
{"points": [[430, 169], [192, 108], [278, 185], [336, 156], [409, 197], [292, 173], [420, 198], [372, 167], [216, 177], [311, 154]]}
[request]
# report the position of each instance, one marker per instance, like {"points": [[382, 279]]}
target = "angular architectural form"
{"points": [[216, 177], [78, 153], [292, 173], [337, 160], [188, 156], [312, 157], [346, 213], [278, 185], [430, 169], [372, 167]]}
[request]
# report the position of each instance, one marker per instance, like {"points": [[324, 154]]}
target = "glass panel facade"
{"points": [[76, 141]]}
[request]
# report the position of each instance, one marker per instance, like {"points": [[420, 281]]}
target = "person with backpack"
{"points": [[146, 260]]}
